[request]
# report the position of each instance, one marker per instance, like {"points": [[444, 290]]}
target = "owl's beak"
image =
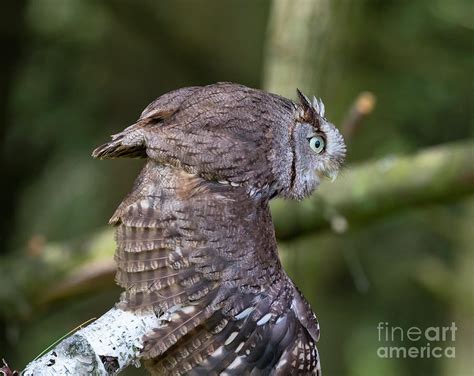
{"points": [[332, 174]]}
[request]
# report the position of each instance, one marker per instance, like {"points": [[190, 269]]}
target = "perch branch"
{"points": [[104, 347]]}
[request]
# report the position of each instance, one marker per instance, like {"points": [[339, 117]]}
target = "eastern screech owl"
{"points": [[195, 238]]}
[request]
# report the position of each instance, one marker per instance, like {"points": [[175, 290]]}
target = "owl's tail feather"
{"points": [[124, 144]]}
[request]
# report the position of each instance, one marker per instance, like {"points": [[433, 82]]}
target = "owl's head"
{"points": [[314, 149]]}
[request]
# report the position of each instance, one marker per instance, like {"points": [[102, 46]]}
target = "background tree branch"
{"points": [[374, 189], [294, 34], [364, 192]]}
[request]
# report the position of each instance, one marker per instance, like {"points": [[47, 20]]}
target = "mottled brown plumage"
{"points": [[195, 238]]}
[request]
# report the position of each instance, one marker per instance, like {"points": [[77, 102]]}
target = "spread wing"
{"points": [[203, 254], [130, 142], [221, 132]]}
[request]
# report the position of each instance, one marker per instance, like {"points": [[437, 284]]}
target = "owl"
{"points": [[195, 238]]}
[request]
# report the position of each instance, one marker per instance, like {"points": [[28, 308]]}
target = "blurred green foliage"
{"points": [[79, 71]]}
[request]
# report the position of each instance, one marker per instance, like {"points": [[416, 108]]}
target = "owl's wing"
{"points": [[267, 337], [223, 300], [221, 132], [224, 132], [259, 340], [130, 142]]}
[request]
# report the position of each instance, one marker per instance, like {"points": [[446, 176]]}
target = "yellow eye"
{"points": [[316, 143]]}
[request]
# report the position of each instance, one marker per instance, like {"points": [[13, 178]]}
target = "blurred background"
{"points": [[390, 241]]}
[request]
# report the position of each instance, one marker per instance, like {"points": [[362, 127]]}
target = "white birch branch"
{"points": [[105, 347]]}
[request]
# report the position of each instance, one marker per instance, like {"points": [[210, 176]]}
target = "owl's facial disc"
{"points": [[318, 150]]}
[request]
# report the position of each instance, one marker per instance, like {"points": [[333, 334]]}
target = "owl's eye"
{"points": [[316, 143]]}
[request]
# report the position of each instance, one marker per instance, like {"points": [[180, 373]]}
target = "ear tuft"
{"points": [[303, 99], [318, 105], [308, 114]]}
